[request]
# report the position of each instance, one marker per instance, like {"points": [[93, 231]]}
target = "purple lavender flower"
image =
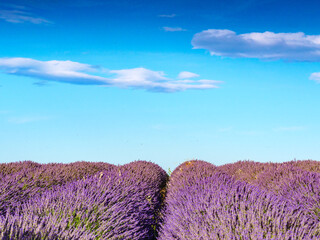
{"points": [[117, 203], [217, 206]]}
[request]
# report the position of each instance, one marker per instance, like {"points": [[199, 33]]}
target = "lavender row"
{"points": [[296, 181], [20, 181], [250, 171], [210, 204], [118, 203]]}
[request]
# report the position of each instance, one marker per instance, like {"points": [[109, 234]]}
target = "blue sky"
{"points": [[166, 81]]}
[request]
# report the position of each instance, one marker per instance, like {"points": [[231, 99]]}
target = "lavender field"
{"points": [[139, 200]]}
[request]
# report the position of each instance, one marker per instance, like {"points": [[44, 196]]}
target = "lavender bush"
{"points": [[289, 180], [156, 178], [118, 203], [190, 170], [220, 207], [10, 168], [18, 184]]}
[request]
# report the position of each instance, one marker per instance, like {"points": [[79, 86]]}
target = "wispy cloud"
{"points": [[167, 15], [41, 83], [85, 74], [62, 71], [174, 29], [21, 16], [186, 75], [265, 45], [315, 77]]}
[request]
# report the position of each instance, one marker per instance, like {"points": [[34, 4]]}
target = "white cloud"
{"points": [[266, 45], [62, 71], [138, 76], [315, 76], [167, 15], [19, 16], [173, 29], [186, 75], [85, 74], [155, 81]]}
